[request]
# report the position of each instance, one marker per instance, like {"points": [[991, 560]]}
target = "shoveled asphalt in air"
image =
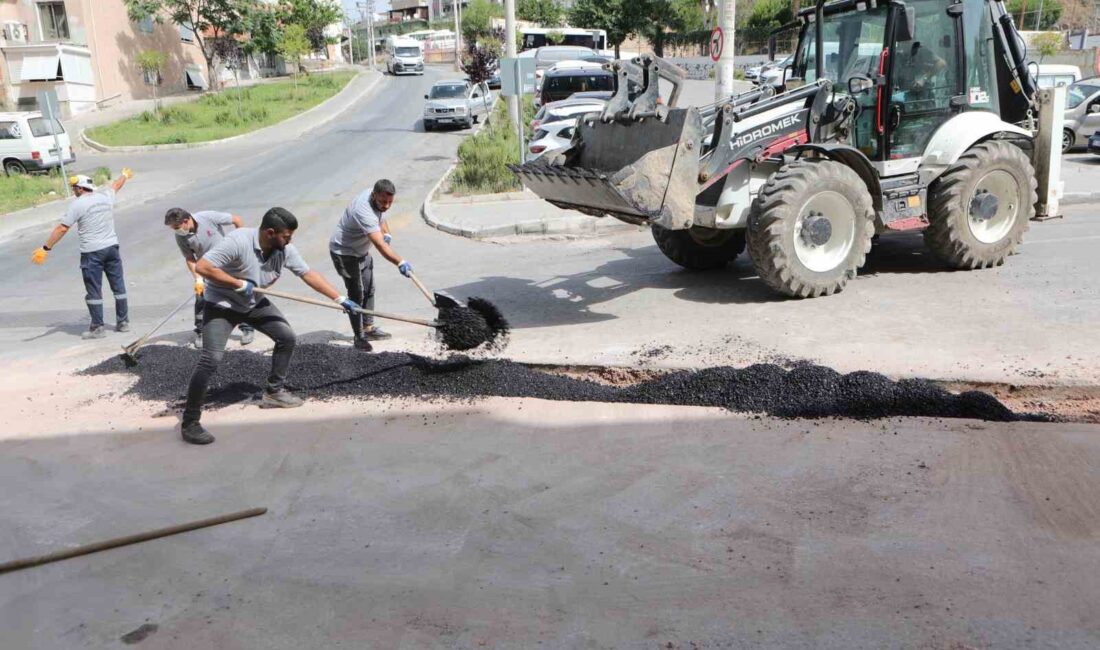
{"points": [[327, 371]]}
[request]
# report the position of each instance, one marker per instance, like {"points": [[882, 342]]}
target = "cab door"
{"points": [[926, 83]]}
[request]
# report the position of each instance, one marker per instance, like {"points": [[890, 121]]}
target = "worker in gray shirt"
{"points": [[93, 215], [245, 259], [196, 234], [361, 226]]}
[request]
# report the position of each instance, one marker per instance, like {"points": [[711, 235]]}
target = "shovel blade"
{"points": [[443, 301]]}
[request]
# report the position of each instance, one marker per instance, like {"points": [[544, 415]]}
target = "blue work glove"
{"points": [[387, 237], [405, 268], [246, 288], [349, 305]]}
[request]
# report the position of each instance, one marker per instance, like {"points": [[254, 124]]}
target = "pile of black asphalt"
{"points": [[322, 371]]}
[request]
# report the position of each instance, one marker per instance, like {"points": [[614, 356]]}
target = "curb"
{"points": [[283, 124], [1079, 198]]}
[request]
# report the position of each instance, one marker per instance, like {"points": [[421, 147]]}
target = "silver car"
{"points": [[456, 102], [1082, 113]]}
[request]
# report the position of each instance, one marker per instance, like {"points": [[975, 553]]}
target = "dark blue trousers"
{"points": [[92, 266]]}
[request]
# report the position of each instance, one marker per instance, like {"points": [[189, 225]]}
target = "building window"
{"points": [[145, 25], [187, 35], [55, 24]]}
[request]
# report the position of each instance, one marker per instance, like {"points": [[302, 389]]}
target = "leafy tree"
{"points": [[555, 37], [617, 17], [1048, 44], [293, 45], [477, 19], [152, 61], [1052, 11], [314, 16], [547, 13], [264, 31], [208, 20]]}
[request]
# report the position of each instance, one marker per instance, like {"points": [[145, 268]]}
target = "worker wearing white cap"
{"points": [[93, 215]]}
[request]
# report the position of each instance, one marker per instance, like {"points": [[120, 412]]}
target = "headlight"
{"points": [[461, 110], [428, 110]]}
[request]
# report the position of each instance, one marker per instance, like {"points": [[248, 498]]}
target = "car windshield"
{"points": [[408, 51], [575, 83], [40, 126], [449, 91], [1079, 92]]}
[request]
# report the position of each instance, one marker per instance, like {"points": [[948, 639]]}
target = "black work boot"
{"points": [[195, 434], [363, 344]]}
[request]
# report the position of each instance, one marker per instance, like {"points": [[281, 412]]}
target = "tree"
{"points": [[547, 13], [264, 31], [152, 62], [655, 18], [555, 37], [477, 19], [314, 16], [616, 17], [1048, 44], [1052, 11], [207, 20], [293, 45]]}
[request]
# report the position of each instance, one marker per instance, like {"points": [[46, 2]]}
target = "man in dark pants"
{"points": [[196, 234], [362, 225], [93, 215], [245, 259]]}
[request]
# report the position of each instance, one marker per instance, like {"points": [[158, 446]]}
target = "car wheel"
{"points": [[14, 168], [1068, 137], [428, 126]]}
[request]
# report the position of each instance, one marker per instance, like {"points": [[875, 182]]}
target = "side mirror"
{"points": [[907, 25], [425, 96], [1095, 108], [859, 84]]}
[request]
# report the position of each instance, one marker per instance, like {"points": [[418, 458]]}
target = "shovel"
{"points": [[129, 353], [438, 300], [333, 305]]}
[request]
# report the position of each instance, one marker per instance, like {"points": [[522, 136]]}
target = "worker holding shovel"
{"points": [[245, 259], [362, 225], [196, 234], [93, 215]]}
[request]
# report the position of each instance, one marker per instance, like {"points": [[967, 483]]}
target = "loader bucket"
{"points": [[637, 171]]}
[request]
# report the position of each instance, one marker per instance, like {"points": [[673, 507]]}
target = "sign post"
{"points": [[517, 78], [51, 110]]}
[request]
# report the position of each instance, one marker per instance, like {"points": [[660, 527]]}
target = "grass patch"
{"points": [[220, 115], [483, 157], [28, 190]]}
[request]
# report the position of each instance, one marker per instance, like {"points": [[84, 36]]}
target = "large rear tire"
{"points": [[699, 249], [979, 209], [811, 228]]}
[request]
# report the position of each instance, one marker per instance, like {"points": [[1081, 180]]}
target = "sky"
{"points": [[352, 10]]}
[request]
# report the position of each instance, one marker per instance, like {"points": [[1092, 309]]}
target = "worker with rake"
{"points": [[245, 259], [196, 234]]}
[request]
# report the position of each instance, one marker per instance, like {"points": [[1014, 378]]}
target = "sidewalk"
{"points": [[514, 213], [161, 172]]}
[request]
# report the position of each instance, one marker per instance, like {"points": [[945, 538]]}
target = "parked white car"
{"points": [[27, 143], [456, 102], [551, 137], [773, 76]]}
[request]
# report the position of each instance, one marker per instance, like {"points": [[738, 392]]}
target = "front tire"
{"points": [[810, 229], [979, 209], [428, 126], [698, 248], [1069, 138]]}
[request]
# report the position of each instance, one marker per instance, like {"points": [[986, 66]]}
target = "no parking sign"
{"points": [[717, 40]]}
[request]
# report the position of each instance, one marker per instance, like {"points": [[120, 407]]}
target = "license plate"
{"points": [[445, 120]]}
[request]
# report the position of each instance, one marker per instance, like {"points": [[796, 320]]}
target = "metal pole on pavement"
{"points": [[515, 102], [1039, 17], [458, 35], [723, 75]]}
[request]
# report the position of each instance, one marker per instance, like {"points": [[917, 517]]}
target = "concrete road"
{"points": [[524, 524]]}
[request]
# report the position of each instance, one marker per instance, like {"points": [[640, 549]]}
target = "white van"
{"points": [[404, 56], [1051, 75], [27, 143]]}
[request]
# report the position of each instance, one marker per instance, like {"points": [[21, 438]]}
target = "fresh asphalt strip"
{"points": [[328, 371]]}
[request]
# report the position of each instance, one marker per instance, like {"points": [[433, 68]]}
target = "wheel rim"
{"points": [[824, 231], [14, 168], [1067, 140], [994, 206]]}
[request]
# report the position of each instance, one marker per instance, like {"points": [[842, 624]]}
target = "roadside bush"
{"points": [[483, 158]]}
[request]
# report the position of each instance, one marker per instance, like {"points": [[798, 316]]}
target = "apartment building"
{"points": [[86, 50]]}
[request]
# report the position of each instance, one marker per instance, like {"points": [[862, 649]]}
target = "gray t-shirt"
{"points": [[239, 255], [352, 236], [209, 230], [93, 214]]}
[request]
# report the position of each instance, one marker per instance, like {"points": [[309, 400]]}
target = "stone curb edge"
{"points": [[195, 145]]}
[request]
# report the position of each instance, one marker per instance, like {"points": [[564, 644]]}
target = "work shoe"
{"points": [[124, 326], [363, 344], [281, 399], [197, 343], [247, 336], [377, 334], [95, 333], [195, 434]]}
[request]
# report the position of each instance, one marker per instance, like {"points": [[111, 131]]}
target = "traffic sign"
{"points": [[717, 40], [517, 76]]}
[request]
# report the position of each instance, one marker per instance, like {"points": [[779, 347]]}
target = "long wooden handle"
{"points": [[424, 290], [332, 305], [95, 547], [140, 342]]}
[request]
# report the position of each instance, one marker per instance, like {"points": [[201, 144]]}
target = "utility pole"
{"points": [[723, 75], [1039, 16], [458, 34], [510, 53], [368, 8]]}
